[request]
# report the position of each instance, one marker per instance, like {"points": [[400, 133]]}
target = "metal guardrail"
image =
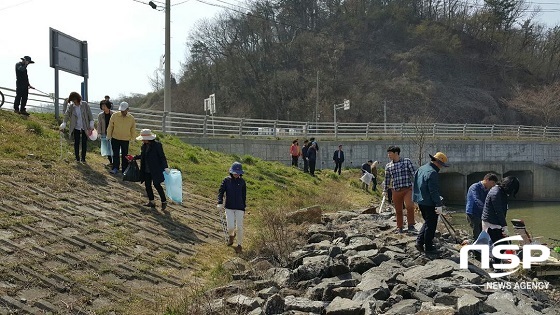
{"points": [[191, 125]]}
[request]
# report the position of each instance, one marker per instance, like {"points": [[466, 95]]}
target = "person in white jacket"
{"points": [[81, 124]]}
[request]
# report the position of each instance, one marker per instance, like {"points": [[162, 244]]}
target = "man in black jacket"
{"points": [[22, 85], [338, 158], [312, 158], [304, 150]]}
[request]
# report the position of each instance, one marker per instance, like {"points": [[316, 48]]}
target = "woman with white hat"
{"points": [[153, 164]]}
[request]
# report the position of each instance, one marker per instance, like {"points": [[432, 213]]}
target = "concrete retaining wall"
{"points": [[535, 163]]}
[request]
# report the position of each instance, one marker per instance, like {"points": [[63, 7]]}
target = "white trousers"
{"points": [[234, 218]]}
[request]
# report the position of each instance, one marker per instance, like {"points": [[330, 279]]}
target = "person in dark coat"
{"points": [[153, 164], [496, 206], [428, 197], [22, 86], [235, 190], [366, 168], [304, 150], [312, 158], [338, 158]]}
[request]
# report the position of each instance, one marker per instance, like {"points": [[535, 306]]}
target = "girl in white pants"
{"points": [[235, 191]]}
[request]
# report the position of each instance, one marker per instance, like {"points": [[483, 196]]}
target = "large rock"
{"points": [[503, 302], [432, 270], [404, 307], [303, 304], [274, 305], [360, 264], [360, 243], [282, 277], [235, 264], [242, 302], [428, 308], [468, 305], [342, 306], [311, 214]]}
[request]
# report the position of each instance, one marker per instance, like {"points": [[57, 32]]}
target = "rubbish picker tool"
{"points": [[382, 204], [47, 94], [450, 228], [222, 215], [61, 144]]}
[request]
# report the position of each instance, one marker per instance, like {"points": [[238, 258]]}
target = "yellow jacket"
{"points": [[122, 127]]}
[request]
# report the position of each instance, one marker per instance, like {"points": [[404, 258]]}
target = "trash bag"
{"points": [[366, 178], [106, 148], [174, 185], [132, 172]]}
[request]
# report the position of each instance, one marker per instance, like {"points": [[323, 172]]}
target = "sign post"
{"points": [[67, 54], [346, 106], [210, 106]]}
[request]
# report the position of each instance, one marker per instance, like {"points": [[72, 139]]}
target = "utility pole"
{"points": [[317, 105], [167, 88], [385, 116]]}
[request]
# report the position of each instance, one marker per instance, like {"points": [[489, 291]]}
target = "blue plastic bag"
{"points": [[174, 185], [106, 148]]}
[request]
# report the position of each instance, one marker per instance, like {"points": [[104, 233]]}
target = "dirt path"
{"points": [[77, 240]]}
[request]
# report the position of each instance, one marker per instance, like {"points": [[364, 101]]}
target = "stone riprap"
{"points": [[354, 264]]}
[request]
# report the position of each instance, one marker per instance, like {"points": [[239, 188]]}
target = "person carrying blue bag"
{"points": [[102, 125], [153, 164]]}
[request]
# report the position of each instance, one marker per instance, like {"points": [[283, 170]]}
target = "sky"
{"points": [[125, 40]]}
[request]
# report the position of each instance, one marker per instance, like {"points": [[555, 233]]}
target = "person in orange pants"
{"points": [[400, 172]]}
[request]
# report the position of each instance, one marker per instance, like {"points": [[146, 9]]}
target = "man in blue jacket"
{"points": [[476, 195], [426, 194]]}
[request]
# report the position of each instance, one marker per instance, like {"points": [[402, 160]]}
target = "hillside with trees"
{"points": [[455, 61]]}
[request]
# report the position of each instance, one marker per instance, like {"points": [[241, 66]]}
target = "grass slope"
{"points": [[32, 147]]}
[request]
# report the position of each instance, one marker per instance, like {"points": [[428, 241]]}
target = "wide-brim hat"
{"points": [[146, 134], [28, 59], [440, 157]]}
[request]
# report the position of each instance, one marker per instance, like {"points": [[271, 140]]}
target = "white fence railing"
{"points": [[191, 125]]}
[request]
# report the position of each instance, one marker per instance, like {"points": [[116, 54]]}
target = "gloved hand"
{"points": [[439, 210], [62, 126], [505, 230], [167, 171], [129, 158], [220, 206]]}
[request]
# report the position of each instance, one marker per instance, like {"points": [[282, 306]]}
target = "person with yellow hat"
{"points": [[426, 194]]}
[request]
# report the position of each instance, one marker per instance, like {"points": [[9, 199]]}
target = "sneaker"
{"points": [[230, 241], [16, 111], [163, 205], [83, 161], [398, 231], [114, 171], [412, 229], [419, 247], [238, 249], [24, 112], [150, 204]]}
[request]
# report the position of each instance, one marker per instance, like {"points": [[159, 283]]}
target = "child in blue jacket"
{"points": [[235, 189]]}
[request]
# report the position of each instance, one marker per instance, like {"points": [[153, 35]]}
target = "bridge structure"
{"points": [[531, 153]]}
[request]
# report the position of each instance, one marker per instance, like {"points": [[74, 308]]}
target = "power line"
{"points": [[15, 5]]}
